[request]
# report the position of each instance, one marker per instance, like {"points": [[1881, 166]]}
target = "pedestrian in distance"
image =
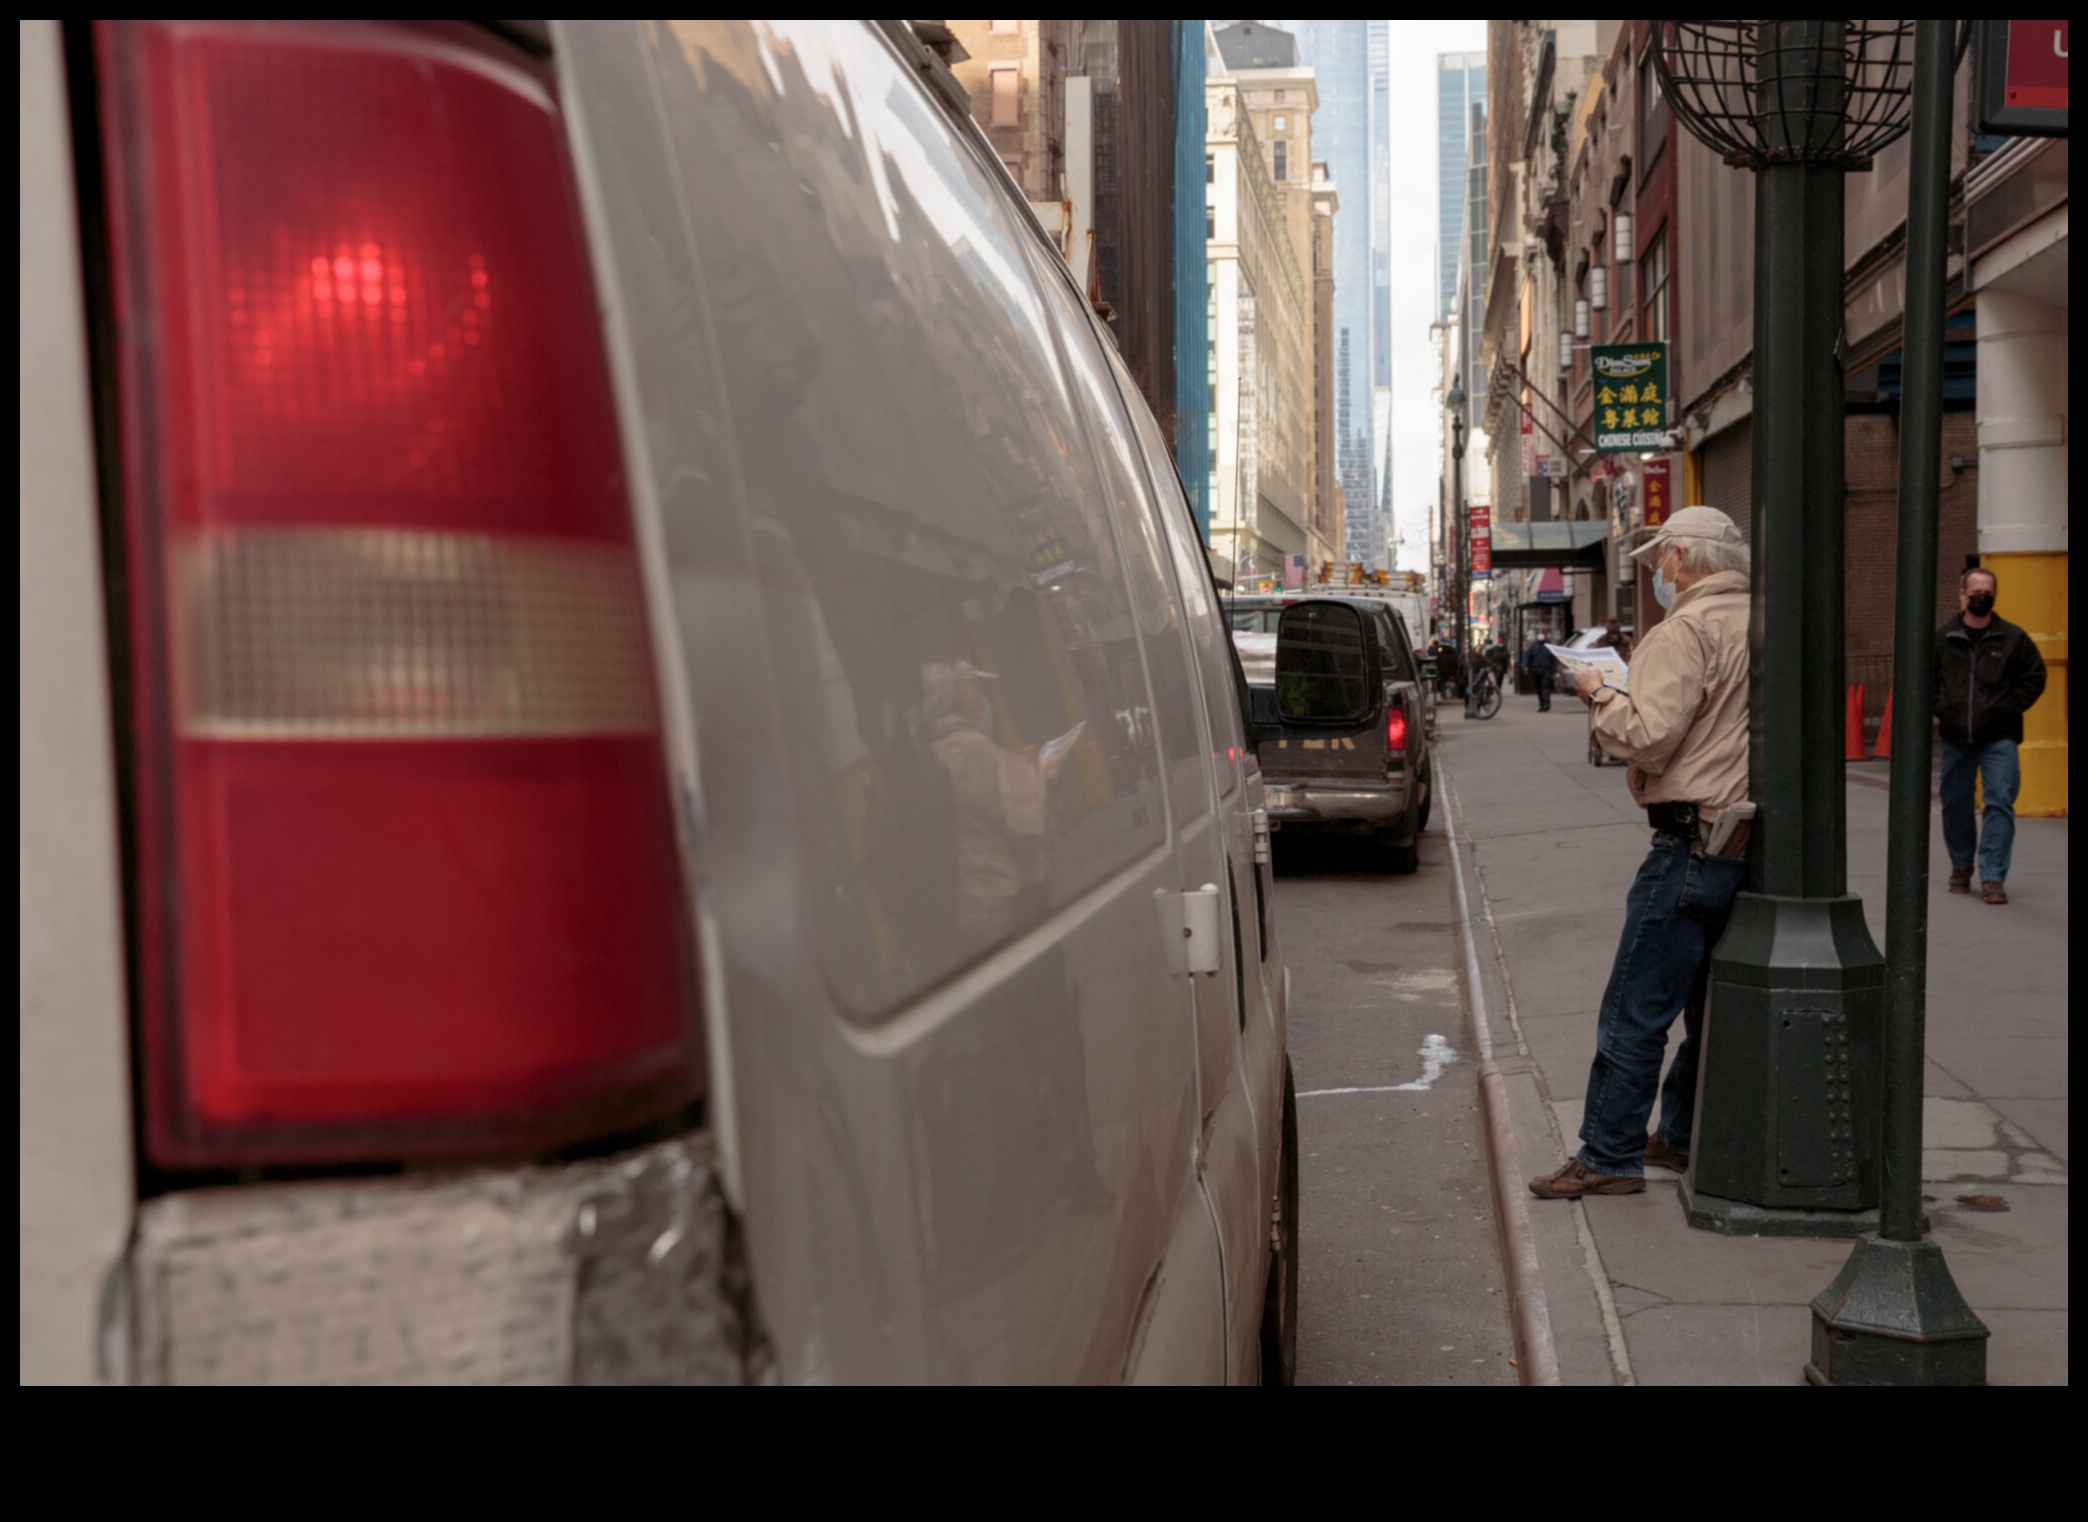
{"points": [[1614, 638], [1988, 673], [1683, 728], [1540, 666]]}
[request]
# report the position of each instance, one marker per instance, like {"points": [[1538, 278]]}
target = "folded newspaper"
{"points": [[1603, 661]]}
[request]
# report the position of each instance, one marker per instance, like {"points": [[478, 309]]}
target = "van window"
{"points": [[1174, 700], [1207, 633], [945, 732]]}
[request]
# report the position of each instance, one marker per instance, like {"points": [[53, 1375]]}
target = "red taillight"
{"points": [[407, 874], [1396, 730]]}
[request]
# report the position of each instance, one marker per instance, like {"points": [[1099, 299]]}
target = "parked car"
{"points": [[582, 826], [1343, 732]]}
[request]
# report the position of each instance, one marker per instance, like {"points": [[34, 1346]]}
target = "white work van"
{"points": [[630, 770]]}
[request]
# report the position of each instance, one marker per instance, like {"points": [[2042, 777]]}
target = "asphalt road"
{"points": [[1400, 1274]]}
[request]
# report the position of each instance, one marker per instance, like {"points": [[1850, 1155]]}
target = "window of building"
{"points": [[1005, 26], [1653, 115], [1210, 169], [1280, 169], [1279, 97], [1282, 123], [1006, 81], [1653, 274], [1210, 220]]}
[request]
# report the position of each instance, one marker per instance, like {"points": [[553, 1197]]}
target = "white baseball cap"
{"points": [[1692, 523]]}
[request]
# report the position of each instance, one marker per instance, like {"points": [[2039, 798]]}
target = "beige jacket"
{"points": [[1683, 725]]}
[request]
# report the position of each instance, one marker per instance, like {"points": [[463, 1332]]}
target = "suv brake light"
{"points": [[1396, 730], [407, 883]]}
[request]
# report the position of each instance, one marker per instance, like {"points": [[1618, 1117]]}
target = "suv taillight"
{"points": [[407, 883], [1396, 730]]}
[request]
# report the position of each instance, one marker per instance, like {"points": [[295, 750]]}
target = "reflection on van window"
{"points": [[940, 591]]}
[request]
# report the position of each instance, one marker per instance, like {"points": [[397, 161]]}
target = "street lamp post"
{"points": [[1786, 1139], [1894, 1314], [1461, 516]]}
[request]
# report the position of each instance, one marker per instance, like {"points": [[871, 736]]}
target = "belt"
{"points": [[1673, 819]]}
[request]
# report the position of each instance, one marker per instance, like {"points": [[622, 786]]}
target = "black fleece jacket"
{"points": [[1985, 679]]}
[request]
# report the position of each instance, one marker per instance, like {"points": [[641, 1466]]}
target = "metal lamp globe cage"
{"points": [[1783, 92]]}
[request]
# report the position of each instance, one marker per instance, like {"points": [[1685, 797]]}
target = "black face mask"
{"points": [[1979, 604]]}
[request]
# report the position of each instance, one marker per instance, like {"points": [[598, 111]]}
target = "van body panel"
{"points": [[877, 490], [76, 1171], [953, 726]]}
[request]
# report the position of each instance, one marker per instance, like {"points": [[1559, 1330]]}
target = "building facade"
{"points": [[1460, 85], [1264, 472], [1348, 61]]}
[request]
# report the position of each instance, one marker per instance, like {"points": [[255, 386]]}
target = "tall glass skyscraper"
{"points": [[1460, 84], [1349, 131]]}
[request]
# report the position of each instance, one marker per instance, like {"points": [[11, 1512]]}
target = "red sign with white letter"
{"points": [[2037, 65]]}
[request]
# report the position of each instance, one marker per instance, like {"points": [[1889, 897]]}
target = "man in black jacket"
{"points": [[1540, 666], [1988, 672]]}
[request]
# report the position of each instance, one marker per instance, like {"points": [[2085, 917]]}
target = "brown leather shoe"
{"points": [[1577, 1179], [1961, 882], [1993, 893], [1660, 1155]]}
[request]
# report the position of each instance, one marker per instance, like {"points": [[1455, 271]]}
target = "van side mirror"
{"points": [[1322, 667]]}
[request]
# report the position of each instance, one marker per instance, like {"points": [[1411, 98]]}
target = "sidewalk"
{"points": [[1635, 1295]]}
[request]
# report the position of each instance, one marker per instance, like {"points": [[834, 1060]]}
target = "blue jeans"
{"points": [[1676, 911], [2000, 773]]}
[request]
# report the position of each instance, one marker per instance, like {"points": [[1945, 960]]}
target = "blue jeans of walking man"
{"points": [[1676, 911], [1992, 837]]}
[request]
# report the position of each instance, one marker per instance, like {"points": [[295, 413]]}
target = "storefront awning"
{"points": [[1523, 546]]}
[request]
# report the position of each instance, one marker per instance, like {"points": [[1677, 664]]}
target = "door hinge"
{"points": [[1190, 922], [1261, 837]]}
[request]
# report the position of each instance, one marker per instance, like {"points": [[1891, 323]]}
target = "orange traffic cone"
{"points": [[1885, 730], [1852, 737]]}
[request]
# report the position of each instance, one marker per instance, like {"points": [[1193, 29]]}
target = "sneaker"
{"points": [[1660, 1155], [1961, 882], [1577, 1179], [1992, 892]]}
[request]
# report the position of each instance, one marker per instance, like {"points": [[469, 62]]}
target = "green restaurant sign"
{"points": [[1631, 396]]}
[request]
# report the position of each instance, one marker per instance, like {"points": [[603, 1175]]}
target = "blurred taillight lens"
{"points": [[405, 847], [1396, 730]]}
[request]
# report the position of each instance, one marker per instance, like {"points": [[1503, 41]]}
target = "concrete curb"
{"points": [[1529, 1313]]}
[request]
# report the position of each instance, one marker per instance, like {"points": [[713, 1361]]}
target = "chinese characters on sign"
{"points": [[1657, 481], [1482, 540], [1631, 395]]}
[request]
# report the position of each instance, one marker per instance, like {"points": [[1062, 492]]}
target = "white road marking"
{"points": [[1436, 1054]]}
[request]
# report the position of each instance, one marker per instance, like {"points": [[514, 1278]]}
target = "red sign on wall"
{"points": [[2021, 83], [1658, 479]]}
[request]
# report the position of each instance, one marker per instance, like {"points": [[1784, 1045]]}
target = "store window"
{"points": [[1653, 274], [1653, 115]]}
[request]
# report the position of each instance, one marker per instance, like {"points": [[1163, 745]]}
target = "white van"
{"points": [[630, 771]]}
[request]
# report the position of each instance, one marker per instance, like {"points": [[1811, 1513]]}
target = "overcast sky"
{"points": [[1414, 424]]}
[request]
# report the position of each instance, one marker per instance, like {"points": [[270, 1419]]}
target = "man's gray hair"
{"points": [[1705, 557]]}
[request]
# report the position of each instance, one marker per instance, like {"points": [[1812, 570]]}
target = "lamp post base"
{"points": [[1744, 1218], [1786, 1136], [1893, 1316]]}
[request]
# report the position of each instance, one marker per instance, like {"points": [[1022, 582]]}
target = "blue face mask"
{"points": [[1663, 588]]}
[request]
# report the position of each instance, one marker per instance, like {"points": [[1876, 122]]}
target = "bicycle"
{"points": [[1486, 694]]}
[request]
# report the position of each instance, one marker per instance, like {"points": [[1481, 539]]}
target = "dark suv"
{"points": [[1343, 733]]}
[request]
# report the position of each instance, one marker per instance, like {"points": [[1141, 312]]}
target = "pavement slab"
{"points": [[1635, 1295]]}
